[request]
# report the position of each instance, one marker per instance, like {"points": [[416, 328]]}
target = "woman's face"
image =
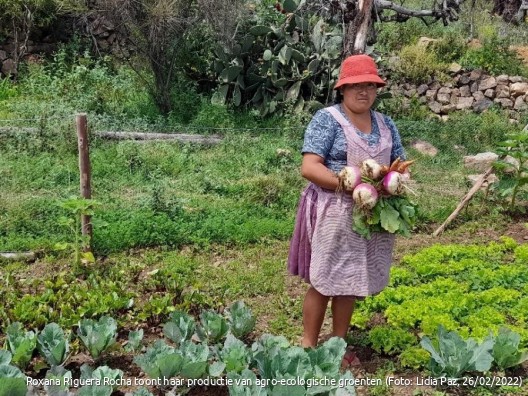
{"points": [[359, 98]]}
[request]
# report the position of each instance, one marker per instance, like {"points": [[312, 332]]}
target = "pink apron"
{"points": [[336, 260]]}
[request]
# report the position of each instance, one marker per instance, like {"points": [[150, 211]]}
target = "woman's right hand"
{"points": [[314, 170]]}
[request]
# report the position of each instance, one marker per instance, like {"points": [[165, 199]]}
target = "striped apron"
{"points": [[324, 250]]}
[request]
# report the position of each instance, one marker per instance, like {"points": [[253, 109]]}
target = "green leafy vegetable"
{"points": [[394, 214], [134, 340], [52, 344], [12, 381], [194, 357], [21, 343], [180, 327], [235, 355], [506, 351], [160, 361], [456, 356], [213, 327], [97, 336], [241, 320]]}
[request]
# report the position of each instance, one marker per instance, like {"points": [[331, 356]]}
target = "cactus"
{"points": [[295, 63]]}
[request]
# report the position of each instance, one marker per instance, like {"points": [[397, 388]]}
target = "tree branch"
{"points": [[446, 11]]}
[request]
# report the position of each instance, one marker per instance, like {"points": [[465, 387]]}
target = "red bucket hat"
{"points": [[358, 69]]}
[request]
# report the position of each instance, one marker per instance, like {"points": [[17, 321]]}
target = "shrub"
{"points": [[495, 57], [450, 48], [417, 64]]}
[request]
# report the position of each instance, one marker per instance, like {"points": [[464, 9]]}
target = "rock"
{"points": [[518, 89], [520, 104], [474, 87], [283, 152], [435, 107], [454, 68], [422, 100], [506, 103], [503, 79], [516, 79], [487, 83], [481, 161], [510, 160], [448, 108], [465, 103], [464, 79], [444, 90], [492, 178], [445, 118], [475, 75], [464, 91], [513, 121], [478, 96], [435, 85], [9, 67], [430, 94], [481, 105], [443, 98], [3, 56], [489, 93], [425, 41], [410, 92], [502, 91], [422, 89], [425, 148]]}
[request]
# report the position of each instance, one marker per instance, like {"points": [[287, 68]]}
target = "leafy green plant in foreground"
{"points": [[97, 336], [21, 343], [506, 351], [12, 380], [456, 356], [241, 320], [52, 344], [515, 146]]}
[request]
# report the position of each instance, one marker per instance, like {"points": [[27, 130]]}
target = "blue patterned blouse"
{"points": [[325, 137]]}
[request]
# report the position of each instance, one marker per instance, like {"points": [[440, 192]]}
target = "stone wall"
{"points": [[474, 91]]}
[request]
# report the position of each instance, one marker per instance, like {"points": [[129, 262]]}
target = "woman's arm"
{"points": [[314, 169]]}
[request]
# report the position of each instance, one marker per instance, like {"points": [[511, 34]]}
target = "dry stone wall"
{"points": [[468, 90]]}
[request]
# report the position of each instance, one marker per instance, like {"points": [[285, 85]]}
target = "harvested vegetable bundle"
{"points": [[380, 200]]}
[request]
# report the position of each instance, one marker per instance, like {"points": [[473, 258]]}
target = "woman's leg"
{"points": [[314, 309], [342, 309]]}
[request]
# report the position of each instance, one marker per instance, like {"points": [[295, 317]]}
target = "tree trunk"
{"points": [[357, 29]]}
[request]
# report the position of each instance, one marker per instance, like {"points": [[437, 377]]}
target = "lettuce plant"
{"points": [[241, 320], [21, 343], [97, 336], [195, 357], [52, 344]]}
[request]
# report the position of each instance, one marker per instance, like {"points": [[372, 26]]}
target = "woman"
{"points": [[338, 263]]}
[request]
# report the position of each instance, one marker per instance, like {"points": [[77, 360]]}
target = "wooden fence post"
{"points": [[85, 172]]}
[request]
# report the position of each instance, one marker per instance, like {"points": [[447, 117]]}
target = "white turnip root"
{"points": [[371, 169], [349, 177], [365, 196]]}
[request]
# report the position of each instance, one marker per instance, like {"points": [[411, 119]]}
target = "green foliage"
{"points": [[414, 358], [180, 327], [418, 64], [159, 361], [390, 340], [213, 327], [21, 344], [97, 337], [293, 64], [235, 356], [41, 12], [450, 48], [506, 351], [12, 381], [52, 344], [516, 146], [240, 318], [456, 356], [495, 57], [134, 340]]}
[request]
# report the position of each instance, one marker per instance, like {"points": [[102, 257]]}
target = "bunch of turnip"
{"points": [[371, 180]]}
